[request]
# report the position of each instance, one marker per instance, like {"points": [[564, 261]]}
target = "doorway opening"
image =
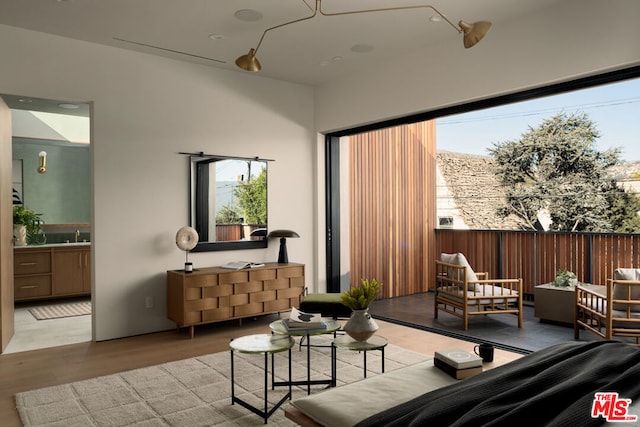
{"points": [[51, 177]]}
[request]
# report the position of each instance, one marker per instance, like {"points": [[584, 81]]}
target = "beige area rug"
{"points": [[58, 311], [196, 391]]}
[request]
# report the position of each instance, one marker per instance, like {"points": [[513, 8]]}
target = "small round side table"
{"points": [[345, 342], [256, 344]]}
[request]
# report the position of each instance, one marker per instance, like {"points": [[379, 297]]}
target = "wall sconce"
{"points": [[42, 168], [283, 234]]}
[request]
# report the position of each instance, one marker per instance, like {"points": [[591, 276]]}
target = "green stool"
{"points": [[328, 305]]}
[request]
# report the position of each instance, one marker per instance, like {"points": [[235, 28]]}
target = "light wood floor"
{"points": [[59, 365]]}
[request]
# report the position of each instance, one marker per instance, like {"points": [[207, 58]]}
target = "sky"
{"points": [[614, 108]]}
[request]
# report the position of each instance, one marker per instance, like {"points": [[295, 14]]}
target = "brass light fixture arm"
{"points": [[473, 33], [315, 12], [387, 9]]}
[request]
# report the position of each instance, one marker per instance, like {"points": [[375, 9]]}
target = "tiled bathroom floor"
{"points": [[32, 334]]}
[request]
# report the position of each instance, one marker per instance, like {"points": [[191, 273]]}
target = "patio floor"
{"points": [[501, 330]]}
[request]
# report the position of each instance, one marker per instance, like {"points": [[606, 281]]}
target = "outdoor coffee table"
{"points": [[256, 344], [331, 326], [556, 304], [345, 342]]}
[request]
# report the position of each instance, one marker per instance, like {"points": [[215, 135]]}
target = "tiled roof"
{"points": [[475, 189]]}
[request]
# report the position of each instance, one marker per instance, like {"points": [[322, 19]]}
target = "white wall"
{"points": [[146, 110]]}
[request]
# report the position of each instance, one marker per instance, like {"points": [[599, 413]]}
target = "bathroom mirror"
{"points": [[228, 202]]}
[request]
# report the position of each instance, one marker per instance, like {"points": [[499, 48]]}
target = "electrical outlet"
{"points": [[149, 302]]}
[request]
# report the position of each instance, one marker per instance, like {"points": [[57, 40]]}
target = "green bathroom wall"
{"points": [[62, 194]]}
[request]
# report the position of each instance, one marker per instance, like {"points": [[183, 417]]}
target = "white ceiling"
{"points": [[310, 52]]}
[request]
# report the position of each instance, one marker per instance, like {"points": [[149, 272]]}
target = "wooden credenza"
{"points": [[42, 272], [215, 294]]}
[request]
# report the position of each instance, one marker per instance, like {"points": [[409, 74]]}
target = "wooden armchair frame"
{"points": [[456, 295], [595, 310]]}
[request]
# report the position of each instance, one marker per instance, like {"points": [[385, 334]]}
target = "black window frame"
{"points": [[332, 159]]}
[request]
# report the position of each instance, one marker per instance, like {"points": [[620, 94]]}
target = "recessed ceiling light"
{"points": [[25, 100], [361, 48], [435, 18], [68, 106], [248, 15], [336, 58], [216, 36], [325, 63]]}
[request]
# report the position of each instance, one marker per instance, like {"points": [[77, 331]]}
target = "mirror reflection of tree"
{"points": [[252, 199]]}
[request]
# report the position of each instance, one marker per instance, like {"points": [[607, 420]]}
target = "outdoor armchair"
{"points": [[612, 311], [462, 292]]}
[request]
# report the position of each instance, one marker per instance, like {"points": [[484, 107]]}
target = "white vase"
{"points": [[360, 325], [19, 235]]}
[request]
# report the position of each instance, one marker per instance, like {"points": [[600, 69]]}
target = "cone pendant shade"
{"points": [[473, 33]]}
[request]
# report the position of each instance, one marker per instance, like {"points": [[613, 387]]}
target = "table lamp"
{"points": [[283, 234]]}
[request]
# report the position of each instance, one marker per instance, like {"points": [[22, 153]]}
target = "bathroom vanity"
{"points": [[51, 271]]}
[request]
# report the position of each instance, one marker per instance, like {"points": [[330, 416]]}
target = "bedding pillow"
{"points": [[622, 291], [459, 259]]}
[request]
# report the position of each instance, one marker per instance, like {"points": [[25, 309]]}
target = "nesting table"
{"points": [[279, 328], [345, 342], [257, 344]]}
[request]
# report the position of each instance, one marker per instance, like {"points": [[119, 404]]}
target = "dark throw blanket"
{"points": [[551, 387]]}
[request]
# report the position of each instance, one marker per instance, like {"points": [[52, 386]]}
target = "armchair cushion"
{"points": [[459, 259], [623, 291]]}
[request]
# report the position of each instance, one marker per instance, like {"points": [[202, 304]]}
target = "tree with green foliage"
{"points": [[555, 168], [228, 215], [252, 198], [623, 210]]}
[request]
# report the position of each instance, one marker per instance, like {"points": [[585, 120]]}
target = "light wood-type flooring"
{"points": [[59, 365]]}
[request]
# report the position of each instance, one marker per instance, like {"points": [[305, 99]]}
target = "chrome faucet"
{"points": [[77, 235]]}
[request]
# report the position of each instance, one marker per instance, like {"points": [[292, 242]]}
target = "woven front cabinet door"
{"points": [[215, 294]]}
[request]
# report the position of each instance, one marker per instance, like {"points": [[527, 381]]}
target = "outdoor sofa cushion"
{"points": [[459, 259]]}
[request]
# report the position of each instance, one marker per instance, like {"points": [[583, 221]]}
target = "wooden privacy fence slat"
{"points": [[536, 257], [391, 214]]}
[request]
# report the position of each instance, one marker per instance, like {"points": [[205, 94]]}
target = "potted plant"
{"points": [[565, 278], [27, 227], [361, 325]]}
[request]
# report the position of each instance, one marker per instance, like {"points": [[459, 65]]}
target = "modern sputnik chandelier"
{"points": [[472, 33]]}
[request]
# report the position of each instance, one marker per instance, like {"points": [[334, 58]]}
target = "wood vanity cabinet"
{"points": [[50, 272], [32, 273], [216, 294], [71, 270]]}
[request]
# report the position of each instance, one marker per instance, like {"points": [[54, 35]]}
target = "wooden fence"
{"points": [[537, 256], [231, 232]]}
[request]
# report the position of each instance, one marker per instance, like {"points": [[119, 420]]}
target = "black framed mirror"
{"points": [[228, 203]]}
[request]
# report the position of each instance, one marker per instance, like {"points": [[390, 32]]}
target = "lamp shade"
{"points": [[249, 62], [283, 233], [473, 33]]}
